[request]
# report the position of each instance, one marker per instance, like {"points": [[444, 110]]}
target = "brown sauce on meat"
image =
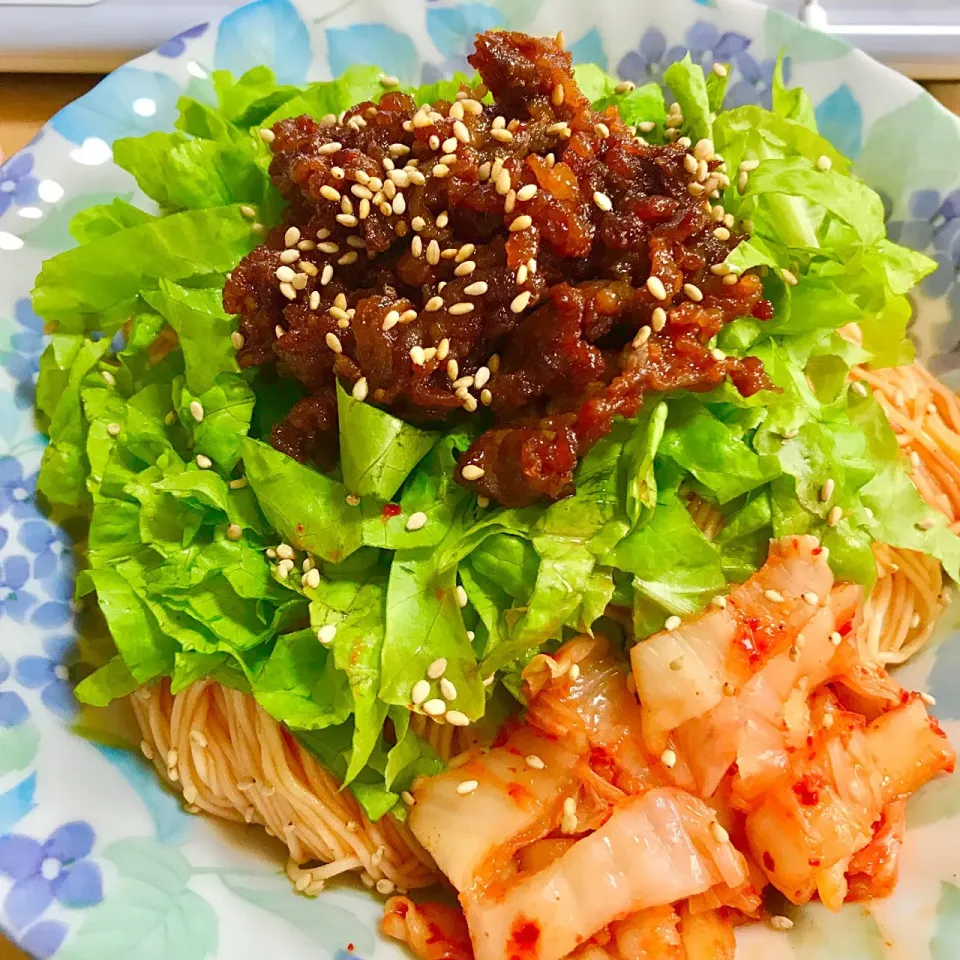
{"points": [[491, 261]]}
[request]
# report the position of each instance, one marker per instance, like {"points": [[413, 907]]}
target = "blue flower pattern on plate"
{"points": [[17, 185], [13, 711], [706, 46], [44, 872], [22, 360], [50, 676], [934, 229], [15, 601], [16, 492], [175, 46]]}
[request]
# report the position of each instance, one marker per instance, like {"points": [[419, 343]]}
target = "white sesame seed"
{"points": [[472, 472], [390, 320], [289, 256], [520, 302], [330, 193], [859, 389], [416, 521], [237, 339], [722, 233], [927, 699], [333, 342], [267, 136], [360, 390], [642, 336], [435, 707], [647, 126], [693, 292], [503, 136], [196, 410], [284, 274], [690, 163], [477, 289], [789, 277], [602, 201], [826, 491], [810, 597], [481, 377], [672, 623], [658, 319], [834, 516], [464, 269], [299, 282], [447, 690], [523, 222], [720, 602], [234, 531], [774, 596], [204, 462], [668, 758], [535, 762], [292, 237], [486, 398], [467, 786], [459, 309], [114, 428], [824, 162], [347, 220], [720, 70], [417, 356], [311, 579], [461, 596], [781, 923], [730, 279], [656, 287], [719, 834], [420, 692], [433, 253]]}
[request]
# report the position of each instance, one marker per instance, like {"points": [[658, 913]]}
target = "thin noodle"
{"points": [[235, 761]]}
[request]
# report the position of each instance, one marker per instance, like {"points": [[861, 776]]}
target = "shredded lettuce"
{"points": [[177, 548]]}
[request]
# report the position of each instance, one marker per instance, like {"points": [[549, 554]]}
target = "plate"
{"points": [[97, 860]]}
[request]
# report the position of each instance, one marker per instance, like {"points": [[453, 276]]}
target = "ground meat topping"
{"points": [[532, 256]]}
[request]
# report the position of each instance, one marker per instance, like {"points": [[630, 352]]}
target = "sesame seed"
{"points": [[527, 192], [284, 274], [656, 288], [501, 135], [472, 472], [810, 597], [433, 253], [523, 222], [299, 281], [196, 411], [625, 86], [285, 551], [481, 377], [290, 256], [417, 521], [459, 309], [114, 428], [781, 923], [560, 128], [658, 319], [390, 320], [435, 707], [466, 787], [927, 699], [647, 126], [824, 162], [347, 220], [237, 339], [330, 193], [292, 237], [730, 279], [447, 690], [827, 721], [437, 668], [826, 491], [719, 834], [288, 290], [338, 314], [417, 356], [834, 516], [690, 163], [722, 233], [440, 171], [399, 204], [668, 758], [774, 596], [247, 210], [333, 342], [360, 390], [350, 257], [486, 398], [311, 579], [718, 354], [234, 531], [420, 692], [720, 602], [267, 136], [328, 246], [693, 292], [557, 95], [464, 269], [477, 289], [520, 302], [643, 335], [789, 277], [443, 218], [672, 623], [308, 268], [461, 596], [204, 462]]}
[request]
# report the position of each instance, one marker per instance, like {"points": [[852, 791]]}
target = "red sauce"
{"points": [[568, 359], [807, 790], [523, 940], [757, 637]]}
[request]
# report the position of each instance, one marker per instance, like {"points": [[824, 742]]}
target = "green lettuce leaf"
{"points": [[689, 86]]}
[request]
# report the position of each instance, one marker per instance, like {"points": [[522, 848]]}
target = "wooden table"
{"points": [[27, 101]]}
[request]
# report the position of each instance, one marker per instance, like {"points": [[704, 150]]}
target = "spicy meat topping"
{"points": [[530, 261]]}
